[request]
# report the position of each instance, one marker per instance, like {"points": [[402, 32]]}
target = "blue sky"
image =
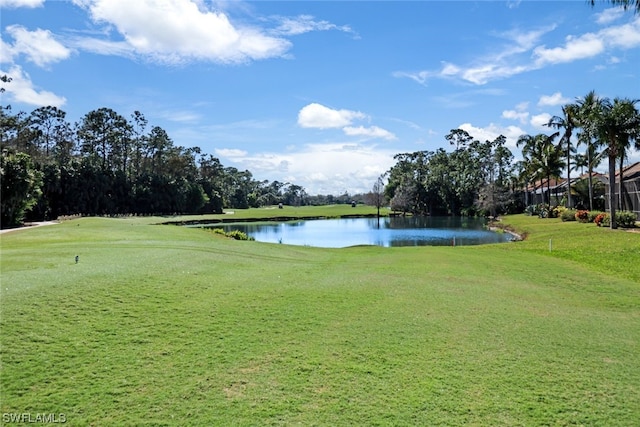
{"points": [[321, 94]]}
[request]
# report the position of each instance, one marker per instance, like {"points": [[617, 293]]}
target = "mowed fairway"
{"points": [[166, 325]]}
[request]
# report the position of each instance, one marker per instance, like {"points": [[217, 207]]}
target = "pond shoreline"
{"points": [[354, 230], [266, 219]]}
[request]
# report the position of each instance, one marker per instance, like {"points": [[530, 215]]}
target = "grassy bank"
{"points": [[165, 325]]}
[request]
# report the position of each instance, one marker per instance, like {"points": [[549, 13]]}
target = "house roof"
{"points": [[541, 185], [630, 172]]}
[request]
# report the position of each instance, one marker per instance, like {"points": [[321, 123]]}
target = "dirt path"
{"points": [[29, 225]]}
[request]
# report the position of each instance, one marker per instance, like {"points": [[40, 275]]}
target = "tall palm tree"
{"points": [[617, 125], [568, 122], [632, 119], [589, 108]]}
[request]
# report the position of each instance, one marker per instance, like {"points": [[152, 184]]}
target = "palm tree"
{"points": [[551, 158], [617, 125], [632, 118], [588, 113], [580, 161], [528, 169], [568, 122], [543, 158]]}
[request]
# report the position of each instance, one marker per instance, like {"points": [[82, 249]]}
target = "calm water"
{"points": [[397, 231]]}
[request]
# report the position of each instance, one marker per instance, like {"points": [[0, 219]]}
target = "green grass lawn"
{"points": [[166, 325]]}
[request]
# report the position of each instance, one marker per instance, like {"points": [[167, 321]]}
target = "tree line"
{"points": [[106, 164]]}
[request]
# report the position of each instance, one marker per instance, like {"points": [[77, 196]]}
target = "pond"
{"points": [[386, 231]]}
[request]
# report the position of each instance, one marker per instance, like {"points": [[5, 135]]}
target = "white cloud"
{"points": [[21, 89], [491, 132], [523, 54], [513, 4], [305, 23], [373, 132], [13, 4], [179, 116], [421, 77], [625, 36], [521, 116], [231, 153], [607, 16], [6, 53], [331, 168], [318, 116], [520, 113], [39, 46], [177, 31], [539, 121], [494, 66], [102, 47], [553, 100], [585, 46], [485, 73]]}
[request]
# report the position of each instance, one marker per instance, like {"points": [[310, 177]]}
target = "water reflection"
{"points": [[395, 231]]}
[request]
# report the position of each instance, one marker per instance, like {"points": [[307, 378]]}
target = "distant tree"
{"points": [[139, 139], [210, 178], [21, 187], [495, 193], [294, 195], [376, 196], [48, 122], [462, 171], [105, 136], [403, 197]]}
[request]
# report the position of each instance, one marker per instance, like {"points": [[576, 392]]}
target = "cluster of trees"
{"points": [[474, 178], [106, 164], [479, 177]]}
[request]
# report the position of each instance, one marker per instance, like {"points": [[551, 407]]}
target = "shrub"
{"points": [[558, 211], [568, 215], [238, 235], [531, 210], [235, 234], [582, 216], [626, 219], [591, 216], [544, 211], [601, 218]]}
